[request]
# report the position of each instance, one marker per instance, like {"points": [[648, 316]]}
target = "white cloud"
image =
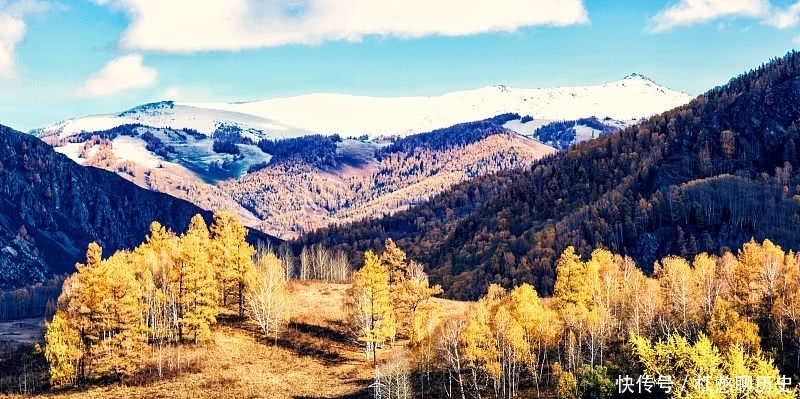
{"points": [[787, 18], [12, 30], [690, 12], [118, 75], [190, 25]]}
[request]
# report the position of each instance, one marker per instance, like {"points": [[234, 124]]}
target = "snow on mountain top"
{"points": [[632, 97]]}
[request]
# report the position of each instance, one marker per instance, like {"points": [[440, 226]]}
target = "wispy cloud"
{"points": [[785, 18], [121, 74], [12, 30], [691, 12], [190, 25]]}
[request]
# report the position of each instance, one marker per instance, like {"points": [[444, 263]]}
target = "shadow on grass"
{"points": [[304, 339], [363, 393]]}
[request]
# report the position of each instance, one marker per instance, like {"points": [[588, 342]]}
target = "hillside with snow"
{"points": [[630, 98], [278, 164]]}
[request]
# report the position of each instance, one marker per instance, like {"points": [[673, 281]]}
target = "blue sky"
{"points": [[68, 58]]}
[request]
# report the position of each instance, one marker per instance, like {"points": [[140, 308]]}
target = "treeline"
{"points": [[694, 326], [316, 150], [226, 138], [704, 176], [561, 134], [156, 145], [38, 300], [458, 135]]}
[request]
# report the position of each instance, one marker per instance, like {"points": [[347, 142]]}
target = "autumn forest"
{"points": [[661, 260]]}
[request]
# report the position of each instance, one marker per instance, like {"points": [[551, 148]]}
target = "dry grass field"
{"points": [[313, 358]]}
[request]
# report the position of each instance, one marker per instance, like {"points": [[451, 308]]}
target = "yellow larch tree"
{"points": [[369, 306], [198, 299], [231, 255], [572, 299], [62, 350], [102, 315], [727, 329], [123, 342]]}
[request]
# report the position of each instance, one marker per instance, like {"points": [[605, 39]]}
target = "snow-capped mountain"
{"points": [[633, 97]]}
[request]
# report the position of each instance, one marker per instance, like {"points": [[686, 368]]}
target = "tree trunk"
{"points": [[241, 299]]}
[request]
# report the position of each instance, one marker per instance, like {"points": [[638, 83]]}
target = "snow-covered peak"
{"points": [[635, 76], [633, 97]]}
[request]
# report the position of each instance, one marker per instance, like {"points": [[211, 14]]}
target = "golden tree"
{"points": [[572, 299], [369, 305], [198, 298], [231, 255], [62, 350], [123, 340], [100, 318]]}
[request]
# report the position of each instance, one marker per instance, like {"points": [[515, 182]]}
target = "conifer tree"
{"points": [[231, 256], [369, 306], [199, 291], [409, 287], [62, 350], [573, 302], [123, 337], [100, 318]]}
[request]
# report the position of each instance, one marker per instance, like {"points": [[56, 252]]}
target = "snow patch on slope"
{"points": [[630, 98]]}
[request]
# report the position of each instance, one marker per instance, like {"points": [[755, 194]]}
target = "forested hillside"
{"points": [[356, 180], [53, 207], [702, 177]]}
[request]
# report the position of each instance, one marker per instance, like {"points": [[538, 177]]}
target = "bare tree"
{"points": [[395, 380], [305, 264], [266, 295], [449, 349]]}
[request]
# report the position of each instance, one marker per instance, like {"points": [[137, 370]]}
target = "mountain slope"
{"points": [[51, 208], [702, 177], [285, 187], [247, 158], [633, 97]]}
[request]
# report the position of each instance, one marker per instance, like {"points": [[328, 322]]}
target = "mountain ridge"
{"points": [[354, 115], [53, 207], [705, 176]]}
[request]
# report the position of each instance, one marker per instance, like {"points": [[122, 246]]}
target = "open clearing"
{"points": [[313, 358]]}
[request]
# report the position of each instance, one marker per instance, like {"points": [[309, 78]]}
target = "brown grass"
{"points": [[313, 358]]}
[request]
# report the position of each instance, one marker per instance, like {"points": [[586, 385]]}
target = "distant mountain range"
{"points": [[633, 97], [264, 160]]}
